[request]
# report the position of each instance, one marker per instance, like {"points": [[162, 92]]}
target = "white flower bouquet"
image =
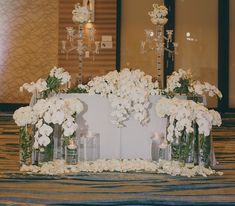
{"points": [[182, 82], [43, 87]]}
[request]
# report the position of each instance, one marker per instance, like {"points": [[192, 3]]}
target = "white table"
{"points": [[132, 141]]}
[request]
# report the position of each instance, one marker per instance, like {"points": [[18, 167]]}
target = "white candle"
{"points": [[87, 54]]}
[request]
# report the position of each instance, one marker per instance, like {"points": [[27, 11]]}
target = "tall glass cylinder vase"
{"points": [[182, 148], [205, 150], [58, 143], [25, 143], [196, 144], [45, 154]]}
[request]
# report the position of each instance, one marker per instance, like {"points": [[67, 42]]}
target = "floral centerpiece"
{"points": [[41, 118], [187, 119], [182, 82], [42, 88], [128, 92]]}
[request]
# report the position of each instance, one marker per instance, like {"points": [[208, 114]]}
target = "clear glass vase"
{"points": [[89, 146], [205, 150], [72, 152], [182, 149], [45, 154], [58, 151], [25, 141], [195, 98]]}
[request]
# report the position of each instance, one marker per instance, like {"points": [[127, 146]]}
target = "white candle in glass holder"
{"points": [[87, 54], [63, 44]]}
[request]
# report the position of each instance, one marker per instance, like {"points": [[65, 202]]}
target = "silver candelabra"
{"points": [[157, 40], [76, 39]]}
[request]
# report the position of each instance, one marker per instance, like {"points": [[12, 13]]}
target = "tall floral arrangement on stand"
{"points": [[128, 92]]}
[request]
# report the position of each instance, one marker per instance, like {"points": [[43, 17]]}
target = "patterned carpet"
{"points": [[116, 188]]}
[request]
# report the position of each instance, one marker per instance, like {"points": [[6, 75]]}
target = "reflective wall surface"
{"points": [[135, 19], [197, 34]]}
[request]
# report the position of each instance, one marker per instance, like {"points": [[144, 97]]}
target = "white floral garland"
{"points": [[128, 92], [172, 168]]}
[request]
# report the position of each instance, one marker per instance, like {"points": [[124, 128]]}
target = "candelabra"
{"points": [[76, 38], [158, 41]]}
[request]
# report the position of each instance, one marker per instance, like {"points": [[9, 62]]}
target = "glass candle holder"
{"points": [[72, 153]]}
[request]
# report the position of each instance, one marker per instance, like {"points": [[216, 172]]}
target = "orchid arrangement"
{"points": [[181, 82], [56, 78], [46, 113], [128, 92], [183, 113]]}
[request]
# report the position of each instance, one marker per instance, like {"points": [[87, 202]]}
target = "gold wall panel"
{"points": [[197, 35], [28, 44]]}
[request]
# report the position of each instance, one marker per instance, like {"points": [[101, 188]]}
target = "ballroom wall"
{"points": [[135, 19], [30, 36], [29, 44], [199, 51], [105, 24]]}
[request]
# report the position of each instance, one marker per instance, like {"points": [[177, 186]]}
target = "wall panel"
{"points": [[28, 39]]}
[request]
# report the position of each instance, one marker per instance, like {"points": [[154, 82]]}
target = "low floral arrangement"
{"points": [[37, 122], [81, 14], [183, 113], [128, 92], [181, 82], [188, 129], [173, 168], [42, 88]]}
